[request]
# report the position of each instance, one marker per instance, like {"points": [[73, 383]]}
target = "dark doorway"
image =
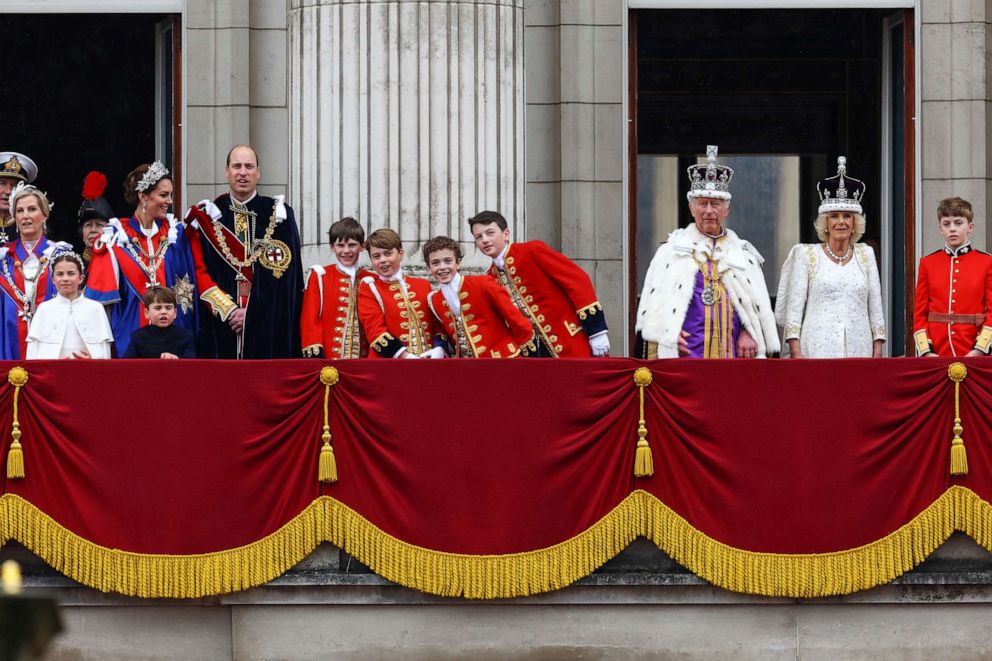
{"points": [[783, 93], [83, 98]]}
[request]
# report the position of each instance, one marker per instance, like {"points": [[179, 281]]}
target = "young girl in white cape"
{"points": [[69, 325]]}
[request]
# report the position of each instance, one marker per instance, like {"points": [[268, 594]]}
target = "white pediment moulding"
{"points": [[92, 7]]}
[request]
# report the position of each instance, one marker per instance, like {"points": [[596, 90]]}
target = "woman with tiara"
{"points": [[69, 325], [829, 296], [25, 276], [149, 249]]}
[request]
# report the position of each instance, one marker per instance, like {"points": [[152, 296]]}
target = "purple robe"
{"points": [[723, 316]]}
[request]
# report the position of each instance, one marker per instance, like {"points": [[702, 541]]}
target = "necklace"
{"points": [[252, 252], [27, 304], [134, 248], [840, 259]]}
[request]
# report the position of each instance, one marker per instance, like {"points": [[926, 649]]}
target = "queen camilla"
{"points": [[829, 296]]}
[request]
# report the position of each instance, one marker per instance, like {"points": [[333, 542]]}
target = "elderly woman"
{"points": [[830, 297], [149, 249], [25, 276]]}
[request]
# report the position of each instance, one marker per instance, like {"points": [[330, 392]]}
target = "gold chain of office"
{"points": [[255, 251]]}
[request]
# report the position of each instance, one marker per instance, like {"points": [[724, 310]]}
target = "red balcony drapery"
{"points": [[494, 478]]}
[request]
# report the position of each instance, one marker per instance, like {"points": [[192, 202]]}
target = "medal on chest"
{"points": [[712, 288], [276, 257]]}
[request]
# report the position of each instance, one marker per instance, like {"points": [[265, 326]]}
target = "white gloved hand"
{"points": [[600, 345], [210, 209], [436, 352], [410, 354]]}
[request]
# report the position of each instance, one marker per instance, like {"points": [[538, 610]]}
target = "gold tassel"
{"points": [[957, 373], [327, 469], [15, 460], [17, 377], [959, 458], [643, 461]]}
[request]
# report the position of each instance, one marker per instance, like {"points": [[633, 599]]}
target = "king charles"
{"points": [[704, 293]]}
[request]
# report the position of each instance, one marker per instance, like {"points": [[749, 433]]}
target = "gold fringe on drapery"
{"points": [[169, 576], [435, 572], [497, 576], [819, 574], [486, 576]]}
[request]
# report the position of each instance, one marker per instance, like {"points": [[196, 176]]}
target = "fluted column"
{"points": [[406, 114]]}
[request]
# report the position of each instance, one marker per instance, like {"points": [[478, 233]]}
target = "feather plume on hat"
{"points": [[94, 185], [94, 205]]}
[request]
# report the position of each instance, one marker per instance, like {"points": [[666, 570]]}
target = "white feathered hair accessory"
{"points": [[27, 189]]}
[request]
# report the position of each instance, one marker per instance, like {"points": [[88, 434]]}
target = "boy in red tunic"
{"points": [[953, 315], [393, 306], [329, 325], [476, 313], [553, 293]]}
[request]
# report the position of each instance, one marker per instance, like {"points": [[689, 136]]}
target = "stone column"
{"points": [[406, 114], [956, 104]]}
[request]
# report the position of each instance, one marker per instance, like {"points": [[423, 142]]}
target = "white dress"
{"points": [[835, 310], [61, 326]]}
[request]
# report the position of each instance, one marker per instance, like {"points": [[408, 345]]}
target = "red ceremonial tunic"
{"points": [[393, 319], [329, 325], [488, 325], [555, 295], [953, 312]]}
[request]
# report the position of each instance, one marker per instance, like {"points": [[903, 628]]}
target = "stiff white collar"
{"points": [[350, 271], [450, 292], [397, 277], [500, 260]]}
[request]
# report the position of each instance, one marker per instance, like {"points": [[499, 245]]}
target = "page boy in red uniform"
{"points": [[953, 315], [554, 294], [393, 306], [329, 325], [476, 313]]}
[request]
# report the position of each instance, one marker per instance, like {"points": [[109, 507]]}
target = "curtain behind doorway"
{"points": [[80, 96]]}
